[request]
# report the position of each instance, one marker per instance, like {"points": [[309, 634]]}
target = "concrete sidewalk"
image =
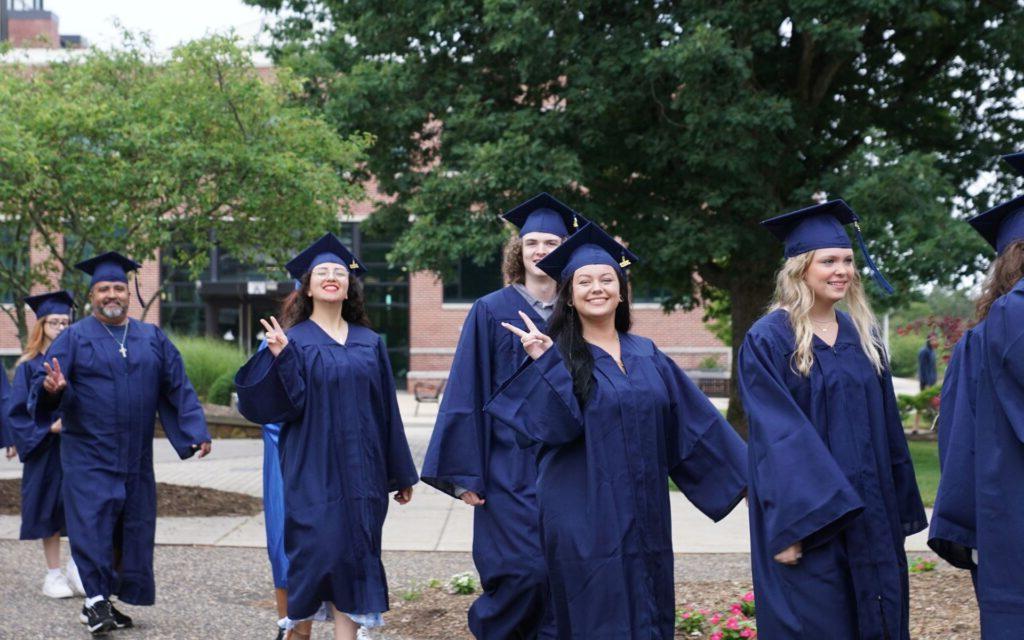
{"points": [[431, 522]]}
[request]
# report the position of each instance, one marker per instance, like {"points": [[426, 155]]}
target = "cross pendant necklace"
{"points": [[124, 338]]}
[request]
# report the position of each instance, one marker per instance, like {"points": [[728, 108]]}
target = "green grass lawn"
{"points": [[926, 466]]}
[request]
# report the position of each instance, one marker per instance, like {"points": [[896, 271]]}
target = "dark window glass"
{"points": [[473, 281]]}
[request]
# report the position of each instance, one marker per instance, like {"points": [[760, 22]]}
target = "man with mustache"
{"points": [[110, 376]]}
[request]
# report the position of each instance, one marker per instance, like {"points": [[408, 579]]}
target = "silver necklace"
{"points": [[124, 338]]}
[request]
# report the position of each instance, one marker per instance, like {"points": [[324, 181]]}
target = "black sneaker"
{"points": [[122, 621], [98, 618]]}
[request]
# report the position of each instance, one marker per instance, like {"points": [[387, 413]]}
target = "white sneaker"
{"points": [[56, 586], [74, 579], [362, 634]]}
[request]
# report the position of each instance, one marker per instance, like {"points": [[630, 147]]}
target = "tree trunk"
{"points": [[748, 301]]}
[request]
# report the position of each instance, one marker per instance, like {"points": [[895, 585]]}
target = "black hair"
{"points": [[298, 305], [565, 329]]}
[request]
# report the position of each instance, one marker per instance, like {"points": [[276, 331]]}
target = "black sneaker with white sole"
{"points": [[98, 618], [122, 621]]}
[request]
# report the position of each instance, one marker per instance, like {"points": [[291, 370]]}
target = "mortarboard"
{"points": [[590, 245], [54, 302], [108, 267], [1002, 224], [1015, 160], [327, 249], [546, 214]]}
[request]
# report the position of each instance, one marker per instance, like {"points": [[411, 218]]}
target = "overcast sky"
{"points": [[168, 22]]}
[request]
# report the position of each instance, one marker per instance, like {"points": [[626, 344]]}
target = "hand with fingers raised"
{"points": [[276, 339], [55, 382], [534, 342]]}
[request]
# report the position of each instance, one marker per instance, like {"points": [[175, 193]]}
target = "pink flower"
{"points": [[714, 620], [716, 636], [705, 612], [748, 596], [686, 615], [748, 633], [732, 623], [736, 609]]}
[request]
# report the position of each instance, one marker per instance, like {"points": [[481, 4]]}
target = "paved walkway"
{"points": [[431, 522]]}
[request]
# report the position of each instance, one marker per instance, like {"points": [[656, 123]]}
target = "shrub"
{"points": [[222, 388], [462, 584], [206, 360]]}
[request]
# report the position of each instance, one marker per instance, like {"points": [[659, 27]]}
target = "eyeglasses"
{"points": [[324, 273], [57, 323]]}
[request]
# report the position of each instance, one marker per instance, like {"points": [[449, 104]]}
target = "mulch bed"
{"points": [[171, 500], [942, 607]]}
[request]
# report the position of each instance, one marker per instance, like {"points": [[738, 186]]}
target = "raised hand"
{"points": [[276, 339], [55, 381], [534, 342]]}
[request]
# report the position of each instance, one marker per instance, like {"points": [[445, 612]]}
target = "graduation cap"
{"points": [[1015, 160], [820, 226], [327, 249], [54, 302], [546, 214], [590, 245], [1002, 224], [108, 267]]}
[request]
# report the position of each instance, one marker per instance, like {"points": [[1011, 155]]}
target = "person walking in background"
{"points": [[325, 377], [833, 494], [475, 459], [977, 522], [614, 418], [38, 445], [109, 377], [927, 369]]}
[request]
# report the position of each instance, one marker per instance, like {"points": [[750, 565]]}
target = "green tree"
{"points": [[131, 151], [678, 125]]}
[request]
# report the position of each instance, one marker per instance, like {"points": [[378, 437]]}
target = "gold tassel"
{"points": [[624, 262], [575, 222], [353, 266]]}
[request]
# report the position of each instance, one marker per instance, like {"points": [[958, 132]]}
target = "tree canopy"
{"points": [[678, 125], [130, 151]]}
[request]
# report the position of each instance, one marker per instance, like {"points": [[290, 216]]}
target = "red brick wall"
{"points": [[434, 331], [34, 33]]}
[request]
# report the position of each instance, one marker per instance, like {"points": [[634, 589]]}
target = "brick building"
{"points": [[419, 316]]}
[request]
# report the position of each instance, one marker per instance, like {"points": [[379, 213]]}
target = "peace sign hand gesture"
{"points": [[55, 382], [534, 342], [276, 339]]}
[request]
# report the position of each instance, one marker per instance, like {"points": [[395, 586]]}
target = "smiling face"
{"points": [[595, 291], [328, 282], [537, 245], [830, 274], [54, 323], [109, 300]]}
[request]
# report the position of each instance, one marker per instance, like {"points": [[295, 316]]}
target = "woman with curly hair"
{"points": [[832, 488], [326, 378]]}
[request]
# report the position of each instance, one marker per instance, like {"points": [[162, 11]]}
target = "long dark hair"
{"points": [[1005, 272], [298, 305], [566, 330]]}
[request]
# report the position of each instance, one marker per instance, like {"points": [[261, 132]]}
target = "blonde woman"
{"points": [[38, 444], [832, 487]]}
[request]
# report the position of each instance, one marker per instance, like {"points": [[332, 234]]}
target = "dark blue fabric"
{"points": [[470, 450], [108, 267], [53, 302], [602, 482], [273, 502], [42, 505], [342, 449], [328, 248], [5, 398], [999, 467], [590, 245], [927, 371], [108, 413], [829, 467]]}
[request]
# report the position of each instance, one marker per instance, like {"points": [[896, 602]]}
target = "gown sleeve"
{"points": [[800, 489], [706, 457], [401, 469], [953, 532], [538, 402], [1004, 346], [456, 457], [272, 389], [5, 393], [41, 404], [181, 415], [26, 431], [908, 496]]}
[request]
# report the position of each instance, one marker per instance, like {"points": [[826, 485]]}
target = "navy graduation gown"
{"points": [[602, 482], [342, 448], [42, 505], [5, 397], [108, 412], [468, 449], [999, 467], [829, 467], [953, 531]]}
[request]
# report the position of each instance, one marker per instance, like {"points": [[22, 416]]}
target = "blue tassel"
{"points": [[879, 278]]}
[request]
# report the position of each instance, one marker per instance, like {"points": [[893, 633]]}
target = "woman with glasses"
{"points": [[326, 378], [38, 444]]}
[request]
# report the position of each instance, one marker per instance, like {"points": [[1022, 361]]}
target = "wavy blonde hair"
{"points": [[796, 298], [37, 342]]}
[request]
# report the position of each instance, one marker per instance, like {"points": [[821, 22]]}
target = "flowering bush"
{"points": [[462, 584], [921, 566], [736, 624]]}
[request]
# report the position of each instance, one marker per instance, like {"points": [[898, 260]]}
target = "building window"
{"points": [[473, 281]]}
